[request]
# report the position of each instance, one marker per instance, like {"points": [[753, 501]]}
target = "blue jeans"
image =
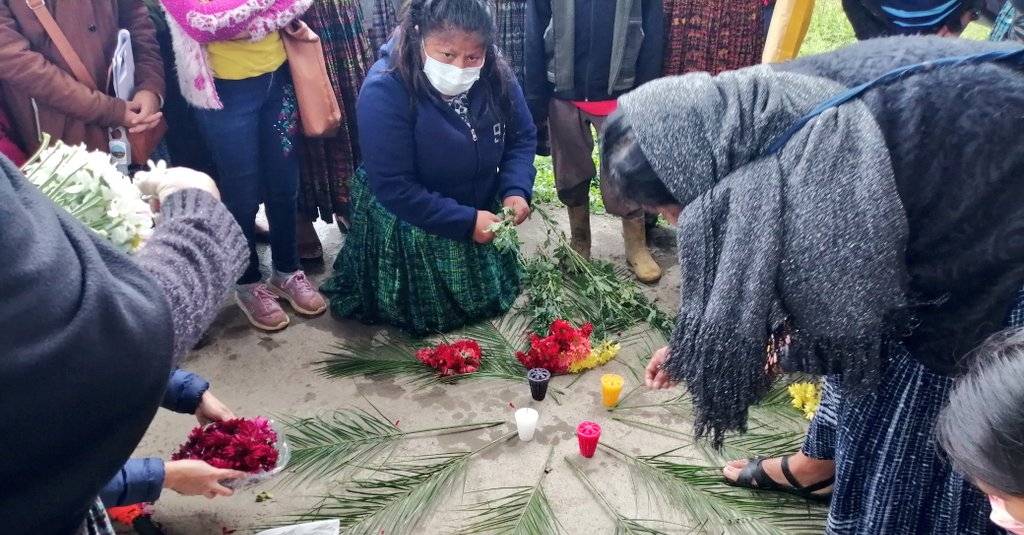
{"points": [[253, 144]]}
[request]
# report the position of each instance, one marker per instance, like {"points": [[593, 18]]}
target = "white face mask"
{"points": [[450, 80], [1002, 518]]}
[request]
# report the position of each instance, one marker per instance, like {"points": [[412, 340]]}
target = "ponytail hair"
{"points": [[420, 18]]}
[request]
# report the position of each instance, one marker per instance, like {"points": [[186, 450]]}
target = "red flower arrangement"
{"points": [[239, 444], [563, 345], [457, 358]]}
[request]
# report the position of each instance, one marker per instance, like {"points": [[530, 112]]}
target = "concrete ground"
{"points": [[258, 373]]}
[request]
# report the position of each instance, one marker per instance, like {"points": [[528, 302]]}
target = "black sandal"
{"points": [[754, 477]]}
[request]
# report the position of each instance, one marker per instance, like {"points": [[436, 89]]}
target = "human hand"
{"points": [[160, 182], [197, 478], [211, 410], [519, 205], [143, 112], [654, 376], [481, 232]]}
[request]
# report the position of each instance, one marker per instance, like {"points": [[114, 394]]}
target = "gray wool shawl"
{"points": [[814, 235]]}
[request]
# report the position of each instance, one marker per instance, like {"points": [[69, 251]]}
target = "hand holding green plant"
{"points": [[506, 237]]}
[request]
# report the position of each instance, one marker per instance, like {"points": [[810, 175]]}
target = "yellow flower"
{"points": [[598, 356], [806, 397], [810, 409]]}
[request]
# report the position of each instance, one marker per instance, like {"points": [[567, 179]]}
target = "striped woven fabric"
{"points": [[712, 36], [1001, 28], [96, 521], [395, 273], [384, 20], [327, 164], [890, 476], [1009, 25], [510, 16]]}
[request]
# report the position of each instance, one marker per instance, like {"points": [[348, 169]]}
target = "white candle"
{"points": [[526, 423]]}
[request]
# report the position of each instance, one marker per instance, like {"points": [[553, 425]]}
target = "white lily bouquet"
{"points": [[90, 188]]}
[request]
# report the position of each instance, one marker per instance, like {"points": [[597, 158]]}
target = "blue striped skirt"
{"points": [[890, 475]]}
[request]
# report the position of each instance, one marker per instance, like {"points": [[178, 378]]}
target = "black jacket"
{"points": [[593, 38]]}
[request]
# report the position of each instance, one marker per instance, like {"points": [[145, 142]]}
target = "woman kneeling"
{"points": [[447, 139]]}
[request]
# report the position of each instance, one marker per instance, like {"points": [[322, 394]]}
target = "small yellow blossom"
{"points": [[806, 398], [598, 356]]}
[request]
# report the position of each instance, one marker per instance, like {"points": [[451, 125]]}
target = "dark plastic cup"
{"points": [[539, 378]]}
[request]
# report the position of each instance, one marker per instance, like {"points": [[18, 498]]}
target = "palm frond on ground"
{"points": [[326, 445], [624, 525], [701, 493], [394, 354], [774, 410], [524, 510], [399, 496]]}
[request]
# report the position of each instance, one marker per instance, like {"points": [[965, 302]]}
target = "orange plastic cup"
{"points": [[611, 387]]}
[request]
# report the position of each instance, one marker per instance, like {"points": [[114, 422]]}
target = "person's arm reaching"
{"points": [[196, 253]]}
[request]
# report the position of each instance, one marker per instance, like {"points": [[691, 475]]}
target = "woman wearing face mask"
{"points": [[981, 429], [447, 141]]}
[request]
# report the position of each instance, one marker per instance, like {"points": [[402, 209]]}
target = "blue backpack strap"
{"points": [[1015, 57]]}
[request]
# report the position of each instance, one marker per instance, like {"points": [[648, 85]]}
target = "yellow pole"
{"points": [[786, 33]]}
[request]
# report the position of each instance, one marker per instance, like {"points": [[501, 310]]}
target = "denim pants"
{"points": [[253, 144]]}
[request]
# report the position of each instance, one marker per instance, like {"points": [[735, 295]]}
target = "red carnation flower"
{"points": [[457, 358], [555, 352], [239, 444]]}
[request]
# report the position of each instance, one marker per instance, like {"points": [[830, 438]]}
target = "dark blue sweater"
{"points": [[428, 167]]}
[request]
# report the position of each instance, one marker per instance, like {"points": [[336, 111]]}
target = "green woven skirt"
{"points": [[390, 271]]}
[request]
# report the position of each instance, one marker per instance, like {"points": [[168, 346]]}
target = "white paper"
{"points": [[123, 67], [324, 527]]}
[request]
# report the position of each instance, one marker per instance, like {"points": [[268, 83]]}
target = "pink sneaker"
{"points": [[297, 290], [261, 307]]}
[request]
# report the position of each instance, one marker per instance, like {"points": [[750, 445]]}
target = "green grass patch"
{"points": [[544, 185]]}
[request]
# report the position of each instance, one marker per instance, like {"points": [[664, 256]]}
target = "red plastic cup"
{"points": [[588, 434]]}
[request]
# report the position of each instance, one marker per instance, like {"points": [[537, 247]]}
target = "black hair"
{"points": [[422, 17], [981, 429], [629, 173]]}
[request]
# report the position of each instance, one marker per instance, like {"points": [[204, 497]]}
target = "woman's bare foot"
{"points": [[806, 471]]}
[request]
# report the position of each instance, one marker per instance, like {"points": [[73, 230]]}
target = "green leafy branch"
{"points": [[506, 236], [399, 501], [328, 444], [702, 494], [524, 510], [623, 525], [562, 284], [393, 353]]}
